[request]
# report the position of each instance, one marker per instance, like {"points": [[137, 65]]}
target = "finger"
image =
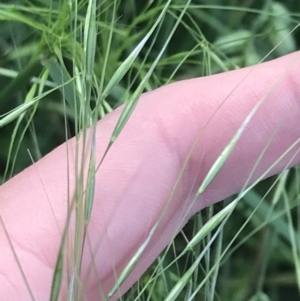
{"points": [[137, 178], [171, 119]]}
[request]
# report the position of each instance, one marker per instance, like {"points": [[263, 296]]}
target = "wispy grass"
{"points": [[69, 63]]}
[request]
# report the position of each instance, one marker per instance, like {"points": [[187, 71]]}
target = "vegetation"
{"points": [[66, 64]]}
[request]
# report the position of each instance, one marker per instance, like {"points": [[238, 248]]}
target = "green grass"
{"points": [[66, 64]]}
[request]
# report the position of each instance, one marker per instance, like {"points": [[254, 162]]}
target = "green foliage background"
{"points": [[43, 52]]}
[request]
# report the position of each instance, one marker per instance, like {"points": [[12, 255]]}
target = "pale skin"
{"points": [[138, 175]]}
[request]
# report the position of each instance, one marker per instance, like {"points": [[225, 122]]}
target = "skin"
{"points": [[138, 175]]}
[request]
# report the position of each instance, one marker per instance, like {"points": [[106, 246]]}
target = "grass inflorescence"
{"points": [[66, 64]]}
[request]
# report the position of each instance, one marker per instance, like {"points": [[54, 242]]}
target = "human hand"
{"points": [[144, 175]]}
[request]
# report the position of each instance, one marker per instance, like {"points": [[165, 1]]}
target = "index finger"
{"points": [[147, 162]]}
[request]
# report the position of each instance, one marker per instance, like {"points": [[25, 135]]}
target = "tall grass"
{"points": [[67, 64]]}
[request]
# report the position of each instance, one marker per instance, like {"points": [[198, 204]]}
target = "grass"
{"points": [[67, 64]]}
